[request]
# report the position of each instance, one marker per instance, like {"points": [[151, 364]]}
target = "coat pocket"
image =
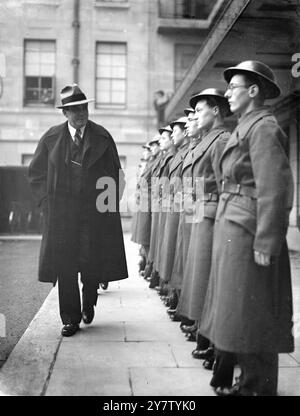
{"points": [[210, 209], [242, 212]]}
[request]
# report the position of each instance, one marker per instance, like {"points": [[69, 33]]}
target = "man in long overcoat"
{"points": [[77, 179]]}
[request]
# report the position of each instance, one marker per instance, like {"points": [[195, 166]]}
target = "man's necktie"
{"points": [[77, 137]]}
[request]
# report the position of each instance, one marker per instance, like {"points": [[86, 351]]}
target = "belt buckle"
{"points": [[238, 188]]}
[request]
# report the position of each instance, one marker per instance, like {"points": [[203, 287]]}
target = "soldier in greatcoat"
{"points": [[181, 142], [140, 171], [168, 150], [248, 307], [146, 208], [211, 107], [184, 225], [142, 235]]}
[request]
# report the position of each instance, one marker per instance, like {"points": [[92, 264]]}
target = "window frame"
{"points": [[26, 102], [111, 105]]}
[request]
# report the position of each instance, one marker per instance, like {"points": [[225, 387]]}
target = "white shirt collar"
{"points": [[73, 131]]}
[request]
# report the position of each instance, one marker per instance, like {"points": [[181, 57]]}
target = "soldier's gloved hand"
{"points": [[262, 259]]}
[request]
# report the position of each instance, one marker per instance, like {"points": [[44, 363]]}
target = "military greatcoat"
{"points": [[205, 168], [171, 227], [248, 307]]}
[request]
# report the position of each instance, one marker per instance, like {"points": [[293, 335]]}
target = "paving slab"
{"points": [[287, 360], [89, 381], [171, 382], [156, 331], [289, 381], [104, 355]]}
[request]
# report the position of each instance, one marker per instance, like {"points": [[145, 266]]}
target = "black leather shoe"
{"points": [[69, 329], [188, 328], [209, 363], [88, 314], [235, 390], [203, 354], [171, 311], [175, 317], [104, 285], [167, 302], [191, 336]]}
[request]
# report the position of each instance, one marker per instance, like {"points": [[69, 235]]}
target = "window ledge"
{"points": [[54, 3], [112, 5]]}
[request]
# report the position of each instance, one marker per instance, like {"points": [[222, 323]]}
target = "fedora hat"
{"points": [[181, 120], [188, 110], [218, 95], [167, 128], [264, 74], [72, 95]]}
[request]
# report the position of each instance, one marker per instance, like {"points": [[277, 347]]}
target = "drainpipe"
{"points": [[76, 26]]}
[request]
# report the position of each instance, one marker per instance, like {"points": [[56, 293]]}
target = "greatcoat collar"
{"points": [[207, 141], [179, 157], [244, 125]]}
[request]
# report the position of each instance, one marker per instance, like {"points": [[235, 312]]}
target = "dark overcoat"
{"points": [[198, 263], [248, 308], [171, 227], [49, 176]]}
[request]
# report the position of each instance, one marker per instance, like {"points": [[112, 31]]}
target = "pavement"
{"points": [[130, 349], [21, 295]]}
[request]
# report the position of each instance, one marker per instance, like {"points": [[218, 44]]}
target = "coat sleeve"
{"points": [[274, 184], [37, 173]]}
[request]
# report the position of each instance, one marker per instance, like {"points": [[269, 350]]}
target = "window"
{"points": [[39, 72], [194, 9], [184, 55], [111, 74]]}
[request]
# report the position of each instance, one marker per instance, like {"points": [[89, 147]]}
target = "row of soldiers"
{"points": [[213, 211]]}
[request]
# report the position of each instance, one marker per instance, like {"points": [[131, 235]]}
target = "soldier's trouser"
{"points": [[259, 373]]}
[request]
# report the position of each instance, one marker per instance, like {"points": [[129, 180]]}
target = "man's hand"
{"points": [[262, 259]]}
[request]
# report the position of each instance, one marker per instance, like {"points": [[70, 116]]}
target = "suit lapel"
{"points": [[95, 145]]}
